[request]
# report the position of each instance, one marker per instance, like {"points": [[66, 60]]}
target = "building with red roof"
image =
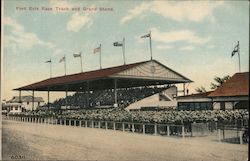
{"points": [[233, 94]]}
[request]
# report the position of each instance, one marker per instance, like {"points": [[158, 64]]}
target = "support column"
{"points": [[184, 89], [114, 125], [155, 127], [88, 94], [241, 137], [48, 100], [80, 123], [143, 129], [86, 123], [183, 132], [74, 122], [66, 99], [20, 95], [106, 125], [115, 90], [219, 136], [133, 127], [168, 130], [99, 124], [33, 100], [92, 124], [123, 127]]}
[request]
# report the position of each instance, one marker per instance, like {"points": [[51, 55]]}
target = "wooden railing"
{"points": [[134, 127]]}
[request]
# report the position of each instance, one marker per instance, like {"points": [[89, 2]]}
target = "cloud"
{"points": [[175, 36], [12, 23], [78, 21], [179, 11], [211, 46], [21, 39], [135, 12], [163, 47], [186, 48], [58, 51]]}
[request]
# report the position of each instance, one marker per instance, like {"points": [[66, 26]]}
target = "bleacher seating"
{"points": [[106, 97]]}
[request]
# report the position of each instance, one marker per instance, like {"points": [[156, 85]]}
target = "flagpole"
{"points": [[65, 64], [123, 50], [81, 60], [150, 43], [239, 54], [50, 68], [100, 57]]}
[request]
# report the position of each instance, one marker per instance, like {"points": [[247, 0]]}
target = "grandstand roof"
{"points": [[131, 75], [237, 85]]}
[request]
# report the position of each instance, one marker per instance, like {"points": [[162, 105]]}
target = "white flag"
{"points": [[145, 36], [77, 55]]}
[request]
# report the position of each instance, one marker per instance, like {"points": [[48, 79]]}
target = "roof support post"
{"points": [[48, 100], [20, 101], [115, 91], [184, 89], [87, 94], [66, 99], [33, 100]]}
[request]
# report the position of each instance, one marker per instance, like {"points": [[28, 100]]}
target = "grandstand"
{"points": [[120, 85], [126, 88]]}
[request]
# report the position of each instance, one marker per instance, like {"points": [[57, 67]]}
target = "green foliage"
{"points": [[219, 81], [201, 89]]}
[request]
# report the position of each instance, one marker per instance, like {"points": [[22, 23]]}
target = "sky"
{"points": [[194, 38]]}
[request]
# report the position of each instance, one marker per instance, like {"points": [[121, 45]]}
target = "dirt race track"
{"points": [[54, 142]]}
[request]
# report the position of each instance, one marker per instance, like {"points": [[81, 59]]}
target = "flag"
{"points": [[77, 55], [145, 36], [118, 43], [236, 50], [62, 59], [49, 61], [98, 49]]}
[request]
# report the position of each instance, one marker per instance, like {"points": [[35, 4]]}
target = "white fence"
{"points": [[143, 128]]}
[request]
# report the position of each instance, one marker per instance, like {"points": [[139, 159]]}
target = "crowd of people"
{"points": [[106, 97], [166, 117]]}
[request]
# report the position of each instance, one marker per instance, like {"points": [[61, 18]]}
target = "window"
{"points": [[222, 105], [195, 105]]}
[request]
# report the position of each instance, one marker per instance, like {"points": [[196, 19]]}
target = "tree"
{"points": [[219, 81], [201, 89]]}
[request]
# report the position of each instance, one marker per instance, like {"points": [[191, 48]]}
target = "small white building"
{"points": [[27, 102], [13, 107], [164, 99]]}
